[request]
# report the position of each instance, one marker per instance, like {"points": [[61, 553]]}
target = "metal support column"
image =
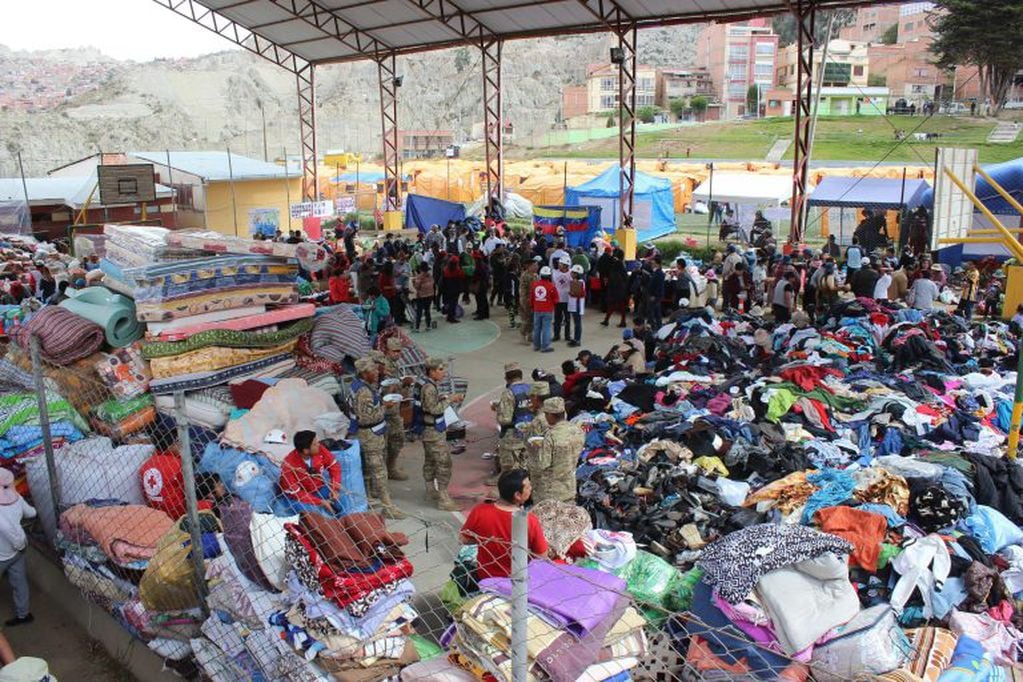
{"points": [[305, 79], [493, 117], [804, 12], [389, 83], [626, 118]]}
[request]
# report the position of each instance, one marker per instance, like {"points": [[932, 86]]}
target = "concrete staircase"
{"points": [[1004, 133], [778, 149]]}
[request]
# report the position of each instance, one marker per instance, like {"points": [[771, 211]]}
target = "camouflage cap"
{"points": [[365, 365], [377, 356], [554, 406], [393, 344], [433, 363], [512, 367], [540, 389]]}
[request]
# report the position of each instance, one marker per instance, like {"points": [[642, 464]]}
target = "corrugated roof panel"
{"points": [[505, 18], [256, 14], [290, 32], [322, 50], [404, 36], [383, 13]]}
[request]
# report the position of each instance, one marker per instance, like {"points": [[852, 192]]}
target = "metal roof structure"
{"points": [[215, 165], [73, 192], [330, 31]]}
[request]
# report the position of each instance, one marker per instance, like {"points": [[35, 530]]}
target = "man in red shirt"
{"points": [[489, 525], [544, 298], [311, 476]]}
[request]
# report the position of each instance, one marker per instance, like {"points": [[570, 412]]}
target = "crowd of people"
{"points": [[546, 286]]}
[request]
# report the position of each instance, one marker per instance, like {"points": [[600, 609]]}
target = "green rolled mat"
{"points": [[113, 312]]}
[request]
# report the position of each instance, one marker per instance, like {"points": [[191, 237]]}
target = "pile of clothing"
{"points": [[859, 464], [581, 626]]}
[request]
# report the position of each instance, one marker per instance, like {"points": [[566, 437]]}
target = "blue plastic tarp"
{"points": [[885, 193], [1009, 175], [422, 212], [653, 202]]}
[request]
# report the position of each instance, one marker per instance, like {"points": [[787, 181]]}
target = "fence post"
{"points": [[191, 503], [520, 594], [44, 424]]}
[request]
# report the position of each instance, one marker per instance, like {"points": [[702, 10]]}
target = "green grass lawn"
{"points": [[841, 138]]}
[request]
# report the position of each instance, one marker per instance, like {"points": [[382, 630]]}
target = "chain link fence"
{"points": [[193, 547]]}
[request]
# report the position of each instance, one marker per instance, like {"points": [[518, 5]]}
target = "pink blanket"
{"points": [[125, 533], [277, 316]]}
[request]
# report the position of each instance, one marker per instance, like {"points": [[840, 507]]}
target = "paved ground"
{"points": [[483, 349], [480, 350]]}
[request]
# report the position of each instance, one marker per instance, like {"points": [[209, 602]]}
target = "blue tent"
{"points": [[653, 202], [881, 193], [422, 212], [1008, 174]]}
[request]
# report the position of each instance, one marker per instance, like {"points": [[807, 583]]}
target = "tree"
{"points": [[876, 80], [698, 105], [678, 107], [753, 100], [646, 114], [985, 34], [890, 35]]}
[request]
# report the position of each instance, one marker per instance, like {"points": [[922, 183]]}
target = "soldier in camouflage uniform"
{"points": [[513, 408], [538, 426], [436, 454], [526, 279], [395, 424], [368, 413], [552, 465]]}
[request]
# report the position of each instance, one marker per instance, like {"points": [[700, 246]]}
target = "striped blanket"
{"points": [[63, 336]]}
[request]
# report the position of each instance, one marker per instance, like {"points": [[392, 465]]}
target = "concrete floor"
{"points": [[82, 643], [433, 534]]}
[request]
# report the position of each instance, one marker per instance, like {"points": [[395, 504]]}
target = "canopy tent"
{"points": [[653, 212], [881, 193], [759, 189], [877, 194], [422, 212]]}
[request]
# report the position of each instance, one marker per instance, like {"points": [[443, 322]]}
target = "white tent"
{"points": [[745, 188]]}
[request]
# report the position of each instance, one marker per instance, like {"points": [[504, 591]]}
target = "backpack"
{"points": [[576, 289]]}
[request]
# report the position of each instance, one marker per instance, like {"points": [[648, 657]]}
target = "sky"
{"points": [[124, 29]]}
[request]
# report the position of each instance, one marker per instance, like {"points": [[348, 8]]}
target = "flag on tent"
{"points": [[549, 218]]}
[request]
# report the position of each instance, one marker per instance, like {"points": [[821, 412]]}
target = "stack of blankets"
{"points": [[580, 627], [348, 596], [213, 320]]}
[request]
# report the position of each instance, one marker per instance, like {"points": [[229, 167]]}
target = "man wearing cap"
{"points": [[562, 278], [544, 298], [436, 455], [395, 424], [512, 410], [552, 465], [526, 280], [539, 391], [864, 280], [370, 424]]}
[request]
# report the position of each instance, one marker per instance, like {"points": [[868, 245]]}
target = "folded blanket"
{"points": [[355, 591], [212, 359], [125, 533], [120, 429], [249, 319], [227, 338], [221, 300], [63, 336], [115, 410], [198, 380]]}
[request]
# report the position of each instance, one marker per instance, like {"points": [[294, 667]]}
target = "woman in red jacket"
{"points": [[452, 284]]}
